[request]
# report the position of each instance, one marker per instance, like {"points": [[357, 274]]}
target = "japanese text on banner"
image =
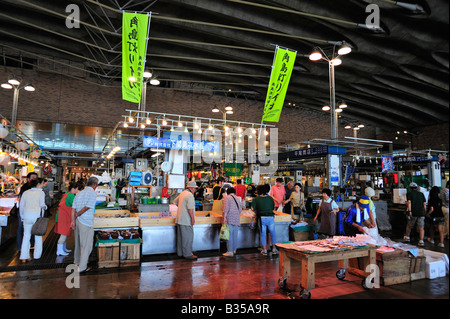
{"points": [[279, 82], [134, 41]]}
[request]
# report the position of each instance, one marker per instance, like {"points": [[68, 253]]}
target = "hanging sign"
{"points": [[387, 164], [282, 68], [166, 143], [233, 169], [134, 44]]}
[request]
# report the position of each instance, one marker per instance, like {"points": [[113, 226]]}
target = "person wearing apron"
{"points": [[327, 211]]}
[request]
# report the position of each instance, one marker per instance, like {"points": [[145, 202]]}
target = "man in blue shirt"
{"points": [[357, 216]]}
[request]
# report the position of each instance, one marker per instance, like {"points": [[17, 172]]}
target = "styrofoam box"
{"points": [[435, 268]]}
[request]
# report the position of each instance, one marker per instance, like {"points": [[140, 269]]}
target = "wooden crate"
{"points": [[106, 219], [130, 255], [395, 267], [108, 254]]}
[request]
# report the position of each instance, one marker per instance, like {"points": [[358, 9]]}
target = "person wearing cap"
{"points": [[370, 192], [357, 217], [185, 221], [416, 206]]}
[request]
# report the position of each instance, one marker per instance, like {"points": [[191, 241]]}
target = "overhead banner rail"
{"points": [[282, 68], [135, 28]]}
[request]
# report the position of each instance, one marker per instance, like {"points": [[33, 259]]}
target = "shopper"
{"points": [[83, 209], [263, 206], [416, 206], [297, 202], [26, 186], [185, 221], [231, 216], [218, 189], [241, 190], [327, 211], [32, 203], [356, 218], [436, 216], [251, 190], [444, 199], [278, 192], [63, 218], [48, 198], [289, 188]]}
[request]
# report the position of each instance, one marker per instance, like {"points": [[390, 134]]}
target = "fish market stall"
{"points": [[159, 232]]}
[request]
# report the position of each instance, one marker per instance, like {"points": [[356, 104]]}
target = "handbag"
{"points": [[224, 232], [40, 226]]}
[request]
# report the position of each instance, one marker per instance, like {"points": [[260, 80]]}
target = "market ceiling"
{"points": [[396, 76]]}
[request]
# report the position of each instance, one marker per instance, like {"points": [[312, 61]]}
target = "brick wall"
{"points": [[63, 99], [434, 137]]}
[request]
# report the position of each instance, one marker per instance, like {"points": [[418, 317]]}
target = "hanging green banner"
{"points": [[279, 81], [233, 169], [134, 45]]}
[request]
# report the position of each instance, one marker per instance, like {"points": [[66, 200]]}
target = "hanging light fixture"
{"points": [[155, 82], [344, 49], [316, 55], [326, 108], [29, 87], [14, 81], [343, 105]]}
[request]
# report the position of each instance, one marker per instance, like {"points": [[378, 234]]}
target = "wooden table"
{"points": [[290, 252]]}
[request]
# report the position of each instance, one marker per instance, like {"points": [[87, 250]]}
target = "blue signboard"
{"points": [[418, 158], [314, 151], [187, 145]]}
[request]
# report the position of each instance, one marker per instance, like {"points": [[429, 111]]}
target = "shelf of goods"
{"points": [[117, 238], [159, 233], [8, 223]]}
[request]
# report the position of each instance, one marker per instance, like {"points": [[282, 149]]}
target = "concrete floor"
{"points": [[247, 276]]}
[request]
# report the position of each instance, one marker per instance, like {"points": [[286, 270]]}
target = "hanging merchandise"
{"points": [[3, 131], [21, 145]]}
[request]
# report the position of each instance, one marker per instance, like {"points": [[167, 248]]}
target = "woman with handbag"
{"points": [[232, 217], [298, 202], [64, 218], [32, 203]]}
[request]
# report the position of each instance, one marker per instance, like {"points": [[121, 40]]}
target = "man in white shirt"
{"points": [[83, 209], [185, 221]]}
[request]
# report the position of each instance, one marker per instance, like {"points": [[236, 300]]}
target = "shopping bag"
{"points": [[224, 232], [280, 208], [40, 226]]}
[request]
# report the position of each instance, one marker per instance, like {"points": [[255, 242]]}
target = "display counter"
{"points": [[159, 233]]}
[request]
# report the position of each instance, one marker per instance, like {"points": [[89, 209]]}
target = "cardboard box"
{"points": [[435, 268]]}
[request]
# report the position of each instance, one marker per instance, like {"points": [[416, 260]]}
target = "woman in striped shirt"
{"points": [[231, 214]]}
